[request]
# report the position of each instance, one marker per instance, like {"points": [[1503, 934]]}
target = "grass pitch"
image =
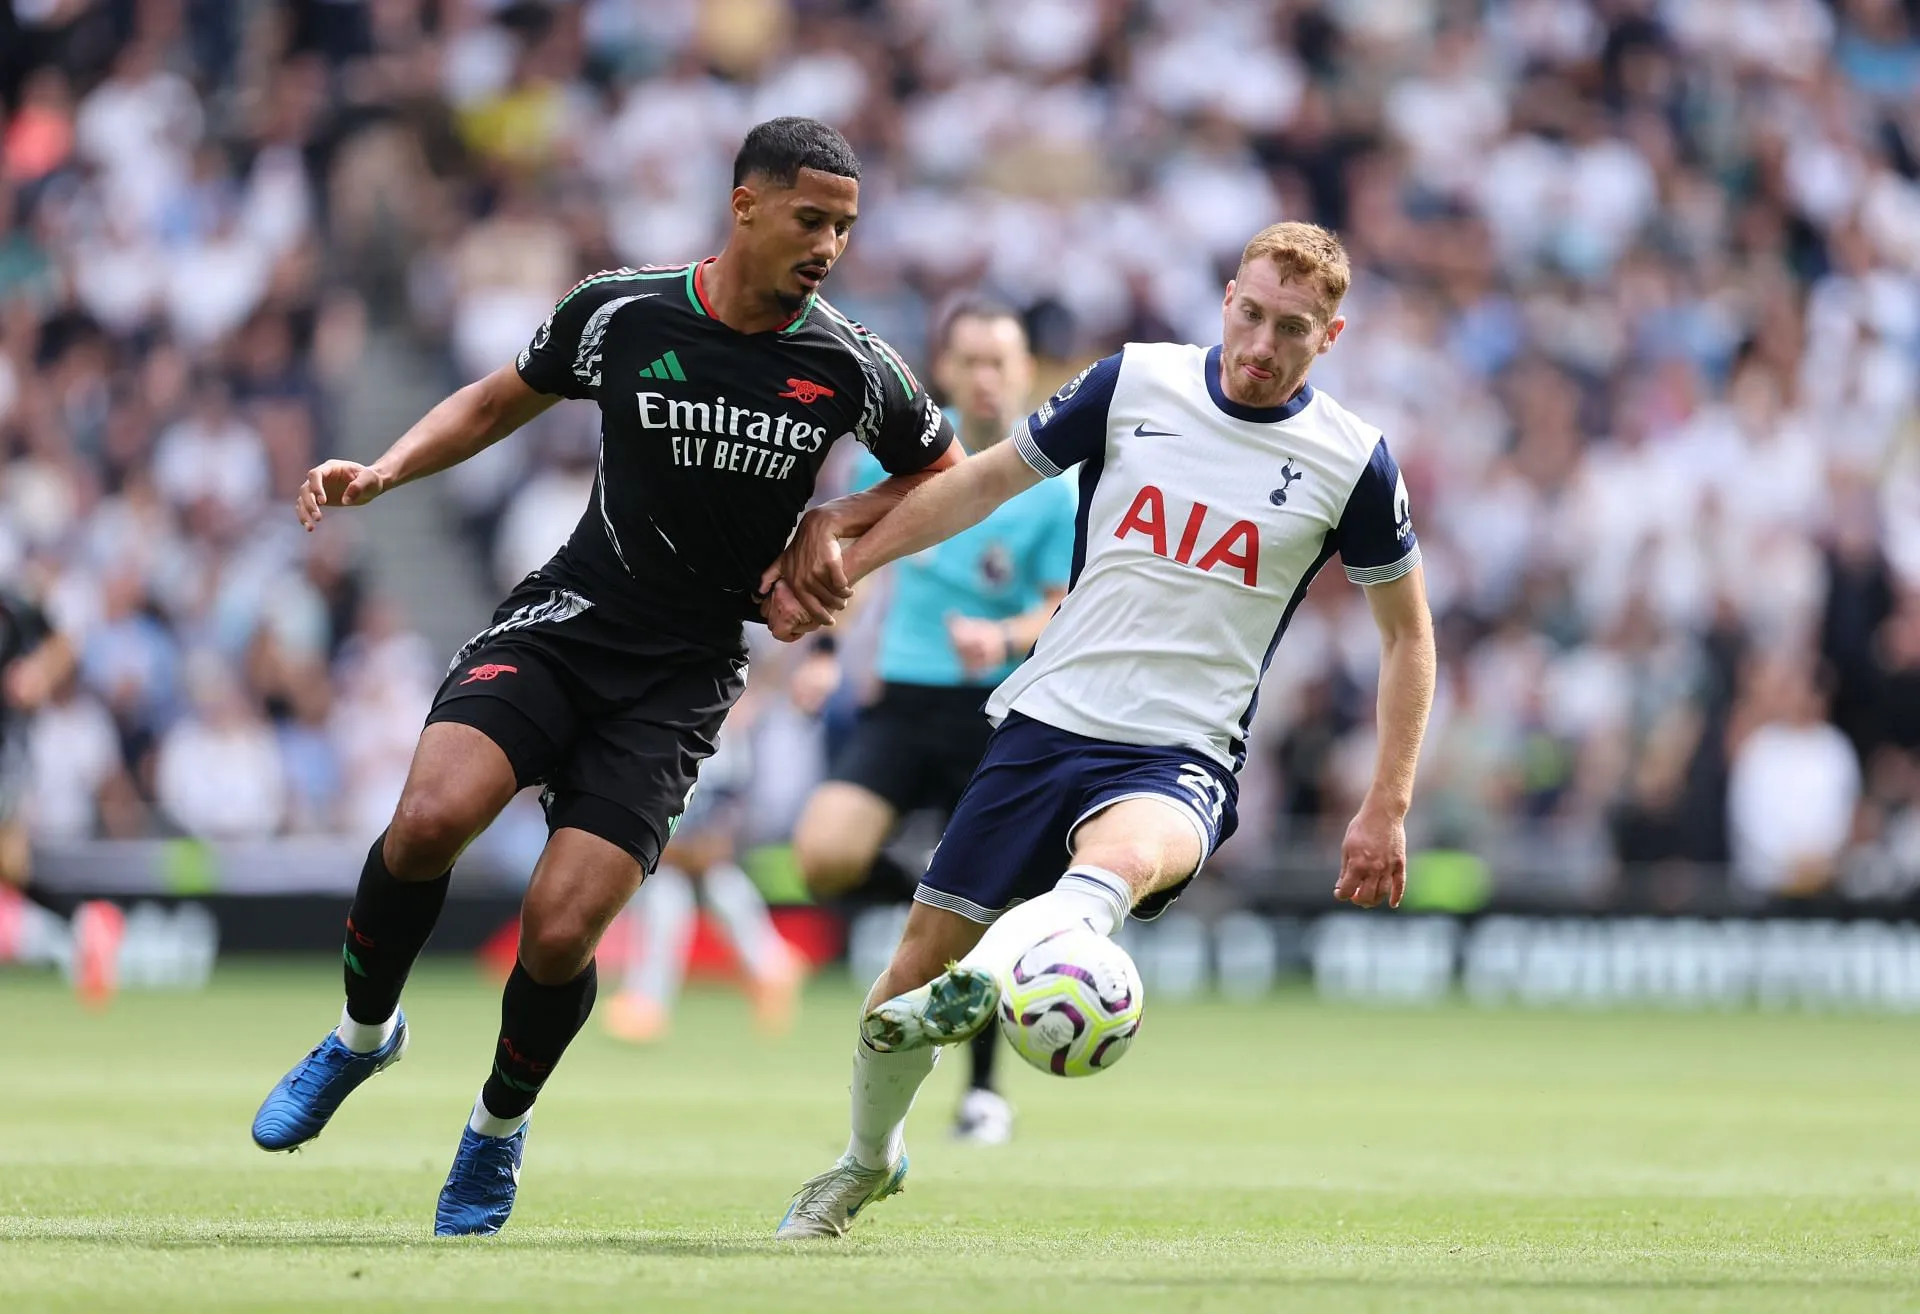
{"points": [[1278, 1156]]}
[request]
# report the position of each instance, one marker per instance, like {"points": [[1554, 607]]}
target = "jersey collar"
{"points": [[1258, 414], [697, 294]]}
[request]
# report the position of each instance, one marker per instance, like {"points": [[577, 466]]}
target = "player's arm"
{"points": [[471, 420], [1378, 548], [1070, 427], [956, 499], [562, 360], [812, 564]]}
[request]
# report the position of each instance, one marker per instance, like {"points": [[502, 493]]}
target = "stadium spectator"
{"points": [[1640, 282]]}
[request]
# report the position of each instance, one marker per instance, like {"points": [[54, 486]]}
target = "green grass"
{"points": [[1278, 1156]]}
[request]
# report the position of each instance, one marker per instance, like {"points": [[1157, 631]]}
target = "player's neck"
{"points": [[726, 295]]}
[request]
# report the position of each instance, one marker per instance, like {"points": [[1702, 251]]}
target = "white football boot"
{"points": [[826, 1205], [952, 1007]]}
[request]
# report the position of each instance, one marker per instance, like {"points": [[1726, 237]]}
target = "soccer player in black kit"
{"points": [[606, 673]]}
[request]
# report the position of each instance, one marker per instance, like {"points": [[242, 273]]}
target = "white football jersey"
{"points": [[1201, 523]]}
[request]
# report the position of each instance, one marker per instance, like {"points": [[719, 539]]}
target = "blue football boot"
{"points": [[479, 1192], [297, 1110]]}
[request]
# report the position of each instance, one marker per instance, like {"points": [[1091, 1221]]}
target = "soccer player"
{"points": [[660, 919], [38, 928], [608, 671], [963, 613], [1213, 484]]}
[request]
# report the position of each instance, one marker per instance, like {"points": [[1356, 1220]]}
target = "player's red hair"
{"points": [[1304, 251]]}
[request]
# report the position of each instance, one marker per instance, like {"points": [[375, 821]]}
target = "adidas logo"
{"points": [[667, 367]]}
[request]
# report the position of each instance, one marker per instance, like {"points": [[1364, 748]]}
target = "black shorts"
{"points": [[917, 746], [613, 720]]}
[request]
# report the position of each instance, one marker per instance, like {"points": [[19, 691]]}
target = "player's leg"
{"points": [[883, 1088], [485, 739], [984, 1116], [579, 886], [660, 923], [839, 835], [1151, 817], [1001, 845], [774, 972], [876, 778], [1131, 850], [611, 805]]}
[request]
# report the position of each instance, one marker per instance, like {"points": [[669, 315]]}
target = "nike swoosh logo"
{"points": [[1141, 431]]}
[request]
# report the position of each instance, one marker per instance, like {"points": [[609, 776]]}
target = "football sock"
{"points": [[984, 1048], [365, 1037], [660, 927], [386, 929], [485, 1124], [883, 1089], [537, 1023], [736, 900], [1087, 895]]}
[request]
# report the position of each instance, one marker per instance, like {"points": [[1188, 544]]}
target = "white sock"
{"points": [[485, 1124], [365, 1037], [1090, 895], [883, 1089], [737, 901], [662, 929]]}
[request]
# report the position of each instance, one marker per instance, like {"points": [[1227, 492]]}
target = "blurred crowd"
{"points": [[1637, 302]]}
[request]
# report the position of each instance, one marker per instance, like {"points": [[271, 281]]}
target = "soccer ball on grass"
{"points": [[1071, 1004]]}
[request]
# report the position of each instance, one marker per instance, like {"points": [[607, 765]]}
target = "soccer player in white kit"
{"points": [[1213, 484]]}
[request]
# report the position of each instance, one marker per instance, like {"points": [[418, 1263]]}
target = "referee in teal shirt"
{"points": [[964, 613]]}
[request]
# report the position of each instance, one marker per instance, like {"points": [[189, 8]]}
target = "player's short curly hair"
{"points": [[1304, 251], [779, 148]]}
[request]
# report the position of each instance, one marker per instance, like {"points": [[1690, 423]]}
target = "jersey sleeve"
{"points": [[1070, 426], [913, 431], [563, 360], [1375, 534]]}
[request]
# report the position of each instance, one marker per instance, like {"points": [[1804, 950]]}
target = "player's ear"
{"points": [[1228, 302], [1334, 329], [743, 201]]}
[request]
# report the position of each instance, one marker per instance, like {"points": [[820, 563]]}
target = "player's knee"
{"points": [[557, 948], [427, 833], [828, 870], [1141, 861]]}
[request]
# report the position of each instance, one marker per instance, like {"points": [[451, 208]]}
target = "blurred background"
{"points": [[1636, 301]]}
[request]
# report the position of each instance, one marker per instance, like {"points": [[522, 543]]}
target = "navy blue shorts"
{"points": [[1011, 835]]}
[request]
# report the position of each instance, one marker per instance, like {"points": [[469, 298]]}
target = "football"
{"points": [[1071, 1005]]}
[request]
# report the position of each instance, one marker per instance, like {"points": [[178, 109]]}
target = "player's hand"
{"points": [[981, 645], [812, 567], [1373, 859], [786, 619], [336, 483]]}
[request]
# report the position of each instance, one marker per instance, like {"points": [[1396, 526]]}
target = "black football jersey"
{"points": [[710, 438]]}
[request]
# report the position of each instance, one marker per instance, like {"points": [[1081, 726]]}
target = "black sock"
{"points": [[985, 1048], [386, 930], [537, 1023]]}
